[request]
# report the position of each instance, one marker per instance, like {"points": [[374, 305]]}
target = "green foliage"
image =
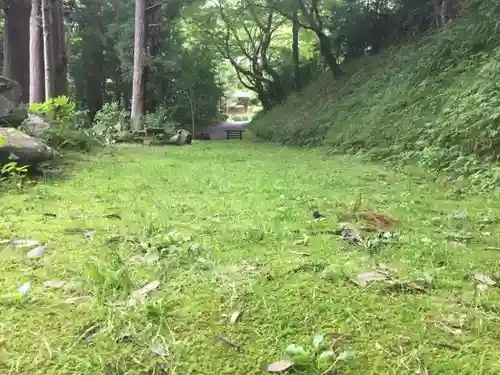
{"points": [[434, 102], [318, 357], [12, 174], [110, 119], [162, 118], [64, 131], [101, 61], [57, 109]]}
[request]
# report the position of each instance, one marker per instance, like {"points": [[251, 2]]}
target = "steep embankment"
{"points": [[435, 101]]}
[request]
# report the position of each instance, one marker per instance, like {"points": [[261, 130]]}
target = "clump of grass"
{"points": [[205, 233]]}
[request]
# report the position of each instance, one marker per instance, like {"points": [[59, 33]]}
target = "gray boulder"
{"points": [[35, 125], [19, 147], [12, 109]]}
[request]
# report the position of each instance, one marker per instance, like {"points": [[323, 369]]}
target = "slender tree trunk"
{"points": [[93, 52], [48, 54], [327, 54], [36, 93], [139, 63], [16, 44], [193, 110], [60, 53], [295, 50]]}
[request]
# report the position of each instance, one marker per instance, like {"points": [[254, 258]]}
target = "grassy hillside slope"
{"points": [[435, 101]]}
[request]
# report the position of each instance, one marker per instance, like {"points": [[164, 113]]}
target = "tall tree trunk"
{"points": [[153, 22], [295, 49], [139, 64], [48, 54], [16, 64], [93, 55], [36, 91], [60, 51], [326, 52]]}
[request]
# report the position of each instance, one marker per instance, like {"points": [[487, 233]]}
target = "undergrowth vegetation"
{"points": [[434, 101], [65, 130]]}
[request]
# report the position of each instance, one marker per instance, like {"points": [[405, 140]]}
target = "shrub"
{"points": [[110, 120], [64, 131]]}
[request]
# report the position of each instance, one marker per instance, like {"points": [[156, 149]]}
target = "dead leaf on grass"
{"points": [[300, 253], [280, 366], [450, 330], [484, 279], [143, 292], [363, 279], [56, 284], [36, 252], [77, 299], [23, 243], [234, 317], [378, 221], [159, 350]]}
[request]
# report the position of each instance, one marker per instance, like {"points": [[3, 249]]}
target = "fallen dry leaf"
{"points": [[54, 284], [280, 366], [143, 292], [378, 221], [77, 299], [300, 253], [36, 252], [234, 317], [363, 279], [445, 328], [24, 243], [159, 350], [484, 279]]}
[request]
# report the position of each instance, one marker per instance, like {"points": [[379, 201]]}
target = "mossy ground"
{"points": [[228, 218]]}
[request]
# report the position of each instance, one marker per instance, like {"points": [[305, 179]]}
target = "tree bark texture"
{"points": [[295, 50], [48, 52], [60, 51], [36, 86], [139, 64], [16, 44], [93, 51]]}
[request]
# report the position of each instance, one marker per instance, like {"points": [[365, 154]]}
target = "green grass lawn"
{"points": [[227, 227]]}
